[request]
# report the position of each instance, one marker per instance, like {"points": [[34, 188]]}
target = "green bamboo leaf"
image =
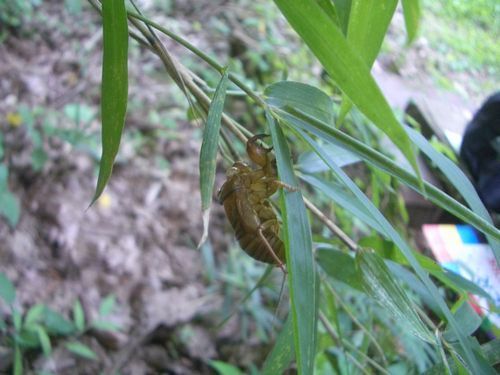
{"points": [[304, 97], [347, 68], [282, 354], [114, 88], [81, 350], [293, 100], [340, 266], [300, 263], [368, 24], [7, 290], [208, 153], [468, 319], [388, 250], [302, 120], [330, 10], [380, 284], [411, 10], [309, 162], [345, 200], [413, 282], [343, 9], [483, 365], [459, 180], [458, 283]]}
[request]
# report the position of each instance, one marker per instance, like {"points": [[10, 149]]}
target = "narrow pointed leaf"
{"points": [[301, 120], [330, 10], [340, 266], [208, 153], [309, 162], [468, 319], [304, 97], [379, 283], [345, 200], [346, 68], [343, 9], [368, 24], [114, 88], [411, 11], [282, 354], [458, 179], [388, 250], [300, 263]]}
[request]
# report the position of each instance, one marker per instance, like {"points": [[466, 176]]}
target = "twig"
{"points": [[336, 338], [358, 323], [331, 225]]}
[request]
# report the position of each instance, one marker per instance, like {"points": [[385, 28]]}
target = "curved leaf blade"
{"points": [[344, 199], [282, 354], [302, 120], [208, 152], [368, 24], [114, 88], [459, 180], [379, 283], [340, 266], [300, 262], [411, 11], [346, 68]]}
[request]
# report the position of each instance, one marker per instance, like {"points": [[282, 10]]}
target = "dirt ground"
{"points": [[139, 241]]}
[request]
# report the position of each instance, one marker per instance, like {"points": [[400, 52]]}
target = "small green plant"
{"points": [[40, 326]]}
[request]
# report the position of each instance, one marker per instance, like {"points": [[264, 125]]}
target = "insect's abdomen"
{"points": [[245, 227]]}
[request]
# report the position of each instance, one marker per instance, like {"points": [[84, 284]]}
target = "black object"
{"points": [[480, 151]]}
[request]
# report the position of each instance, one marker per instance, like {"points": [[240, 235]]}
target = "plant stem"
{"points": [[336, 338], [331, 225], [357, 322]]}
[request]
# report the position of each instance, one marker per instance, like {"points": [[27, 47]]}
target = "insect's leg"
{"points": [[283, 185], [271, 251]]}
